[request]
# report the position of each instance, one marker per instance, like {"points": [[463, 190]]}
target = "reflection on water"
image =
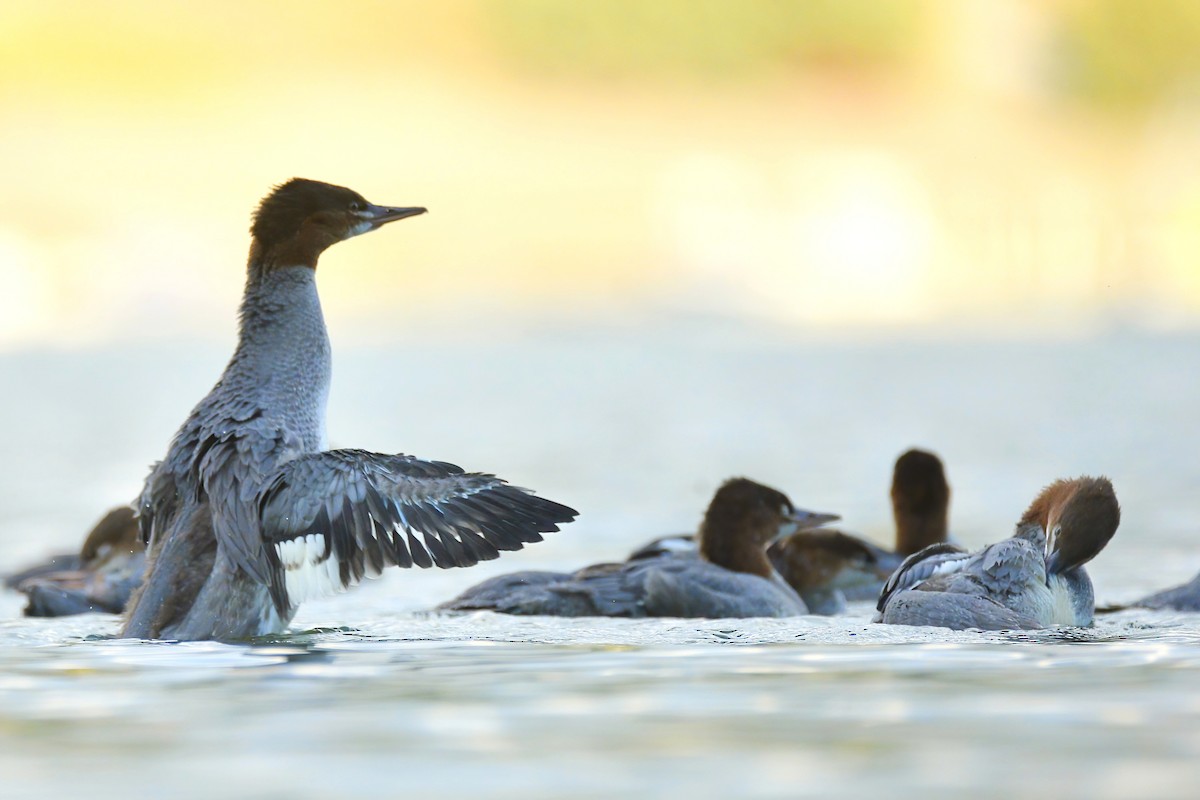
{"points": [[371, 693]]}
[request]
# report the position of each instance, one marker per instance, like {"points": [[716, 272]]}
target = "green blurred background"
{"points": [[847, 165]]}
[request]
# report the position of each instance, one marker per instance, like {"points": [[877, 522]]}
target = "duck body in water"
{"points": [[728, 575], [1036, 579], [248, 515], [99, 578], [1185, 597], [829, 567]]}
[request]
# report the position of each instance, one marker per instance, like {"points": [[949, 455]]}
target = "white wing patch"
{"points": [[678, 544], [949, 566], [310, 569]]}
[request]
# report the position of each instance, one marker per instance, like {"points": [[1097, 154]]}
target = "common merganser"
{"points": [[828, 567], [729, 577], [248, 515], [1035, 579], [100, 577]]}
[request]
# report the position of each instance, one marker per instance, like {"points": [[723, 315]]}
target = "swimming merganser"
{"points": [[828, 567], [100, 577], [1035, 579], [248, 515], [1079, 517], [730, 576]]}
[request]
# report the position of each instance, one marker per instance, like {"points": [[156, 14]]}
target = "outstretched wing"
{"points": [[329, 519]]}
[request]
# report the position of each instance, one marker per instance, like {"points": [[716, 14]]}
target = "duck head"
{"points": [[920, 501], [302, 218], [826, 560], [116, 534], [1079, 516], [743, 518]]}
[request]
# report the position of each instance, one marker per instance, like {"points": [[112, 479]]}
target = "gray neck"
{"points": [[282, 360], [1077, 584]]}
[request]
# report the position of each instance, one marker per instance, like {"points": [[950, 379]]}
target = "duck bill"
{"points": [[802, 520], [379, 216], [1054, 559]]}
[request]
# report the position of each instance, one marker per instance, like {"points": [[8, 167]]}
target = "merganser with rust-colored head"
{"points": [[829, 567], [1079, 517], [728, 576], [248, 515], [1036, 579]]}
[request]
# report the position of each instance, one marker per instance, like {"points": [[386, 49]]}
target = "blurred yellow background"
{"points": [[846, 164]]}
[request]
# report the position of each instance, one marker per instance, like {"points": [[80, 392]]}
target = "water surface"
{"points": [[372, 692]]}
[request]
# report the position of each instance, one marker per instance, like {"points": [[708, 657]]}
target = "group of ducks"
{"points": [[755, 555], [248, 515]]}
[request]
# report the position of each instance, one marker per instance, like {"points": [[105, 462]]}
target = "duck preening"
{"points": [[727, 575], [248, 515], [1035, 579]]}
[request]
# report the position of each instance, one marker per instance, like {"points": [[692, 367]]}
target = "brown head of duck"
{"points": [[743, 519], [920, 501], [302, 218], [814, 561], [1079, 517], [115, 536]]}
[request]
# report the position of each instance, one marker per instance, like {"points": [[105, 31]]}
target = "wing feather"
{"points": [[938, 558], [372, 511]]}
